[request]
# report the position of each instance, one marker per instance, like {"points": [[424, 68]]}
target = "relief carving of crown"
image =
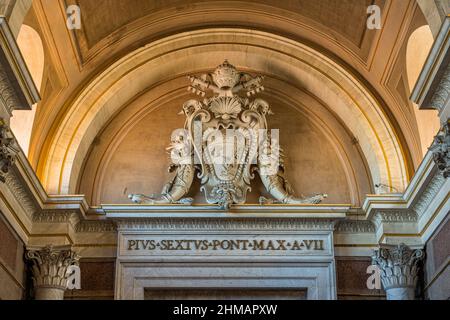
{"points": [[226, 76]]}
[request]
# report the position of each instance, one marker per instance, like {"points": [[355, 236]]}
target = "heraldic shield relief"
{"points": [[226, 141]]}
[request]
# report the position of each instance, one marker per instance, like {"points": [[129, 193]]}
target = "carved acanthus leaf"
{"points": [[399, 265], [50, 265]]}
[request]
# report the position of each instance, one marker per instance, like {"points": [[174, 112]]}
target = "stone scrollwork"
{"points": [[442, 93], [441, 150], [8, 150], [7, 94], [49, 269], [225, 140], [399, 270]]}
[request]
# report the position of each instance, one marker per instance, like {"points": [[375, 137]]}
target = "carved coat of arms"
{"points": [[226, 141]]}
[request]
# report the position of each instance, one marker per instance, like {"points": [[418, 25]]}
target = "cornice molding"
{"points": [[355, 226], [97, 226], [422, 189], [393, 216], [21, 194], [442, 93], [16, 81], [57, 216], [196, 224], [432, 89], [429, 194], [396, 216]]}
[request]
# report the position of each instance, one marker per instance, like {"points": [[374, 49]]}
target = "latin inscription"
{"points": [[226, 245]]}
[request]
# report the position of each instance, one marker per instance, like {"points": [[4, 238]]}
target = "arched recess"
{"points": [[201, 51], [418, 47], [32, 49], [15, 12], [435, 12], [129, 155]]}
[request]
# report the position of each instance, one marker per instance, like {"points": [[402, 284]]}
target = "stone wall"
{"points": [[352, 278], [12, 265], [437, 271], [97, 280]]}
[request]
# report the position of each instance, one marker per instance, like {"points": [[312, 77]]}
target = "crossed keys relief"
{"points": [[226, 141]]}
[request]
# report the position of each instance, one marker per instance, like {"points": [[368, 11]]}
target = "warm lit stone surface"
{"points": [[97, 274], [110, 97], [12, 274], [437, 275], [8, 245]]}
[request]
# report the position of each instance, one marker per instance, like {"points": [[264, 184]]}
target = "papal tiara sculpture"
{"points": [[226, 140]]}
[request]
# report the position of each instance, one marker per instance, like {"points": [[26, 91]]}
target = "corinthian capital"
{"points": [[399, 270], [441, 149], [49, 268], [8, 150]]}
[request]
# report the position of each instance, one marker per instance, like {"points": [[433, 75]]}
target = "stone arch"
{"points": [[15, 12], [202, 50], [114, 142], [435, 13]]}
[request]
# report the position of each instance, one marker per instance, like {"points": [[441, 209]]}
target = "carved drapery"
{"points": [[399, 270], [49, 270], [441, 149]]}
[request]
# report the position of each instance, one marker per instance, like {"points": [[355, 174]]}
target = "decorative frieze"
{"points": [[427, 196], [355, 226], [392, 216], [8, 150], [442, 94], [226, 224], [95, 226], [399, 270], [441, 150], [8, 96], [22, 195], [57, 216], [50, 267]]}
